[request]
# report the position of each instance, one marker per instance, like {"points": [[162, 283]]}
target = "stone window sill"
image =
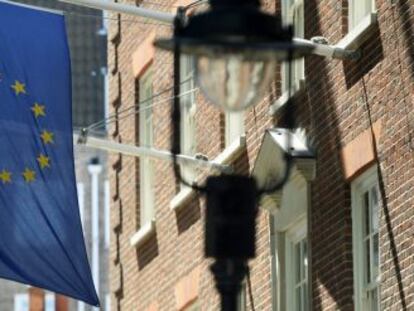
{"points": [[230, 153], [143, 234], [359, 33]]}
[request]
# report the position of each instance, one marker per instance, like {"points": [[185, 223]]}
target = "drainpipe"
{"points": [[95, 169]]}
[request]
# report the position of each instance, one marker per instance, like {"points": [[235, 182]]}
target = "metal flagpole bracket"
{"points": [[322, 47], [125, 8], [83, 136], [137, 151]]}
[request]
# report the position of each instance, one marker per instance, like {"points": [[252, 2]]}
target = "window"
{"points": [[292, 285], [293, 14], [365, 222], [50, 302], [297, 268], [358, 10], [144, 138], [21, 302], [241, 299], [234, 126], [188, 109]]}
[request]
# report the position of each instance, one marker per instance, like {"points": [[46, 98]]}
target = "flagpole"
{"points": [[125, 8], [137, 151]]}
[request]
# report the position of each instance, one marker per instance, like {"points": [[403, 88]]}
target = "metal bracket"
{"points": [[322, 47]]}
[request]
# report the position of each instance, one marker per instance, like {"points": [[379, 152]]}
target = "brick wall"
{"points": [[341, 101]]}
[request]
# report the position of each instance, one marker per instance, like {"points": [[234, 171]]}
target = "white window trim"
{"points": [[146, 169], [294, 234], [357, 4], [284, 98], [21, 301], [234, 127], [287, 17], [225, 157], [50, 302], [358, 187], [143, 234], [357, 35], [188, 128]]}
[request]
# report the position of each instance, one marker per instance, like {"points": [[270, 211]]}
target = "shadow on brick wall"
{"points": [[406, 20], [330, 219], [387, 216], [147, 252], [372, 53], [188, 215]]}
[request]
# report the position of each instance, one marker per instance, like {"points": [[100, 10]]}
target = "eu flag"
{"points": [[41, 241]]}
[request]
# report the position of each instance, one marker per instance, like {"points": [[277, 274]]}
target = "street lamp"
{"points": [[236, 47]]}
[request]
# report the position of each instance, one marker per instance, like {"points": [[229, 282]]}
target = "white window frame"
{"points": [[366, 183], [21, 302], [188, 111], [146, 134], [234, 127], [295, 234], [284, 264], [358, 10], [241, 298], [293, 13], [50, 302]]}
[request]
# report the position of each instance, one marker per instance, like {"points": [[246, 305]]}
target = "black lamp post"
{"points": [[236, 47]]}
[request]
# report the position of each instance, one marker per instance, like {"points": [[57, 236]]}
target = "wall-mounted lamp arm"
{"points": [[322, 48]]}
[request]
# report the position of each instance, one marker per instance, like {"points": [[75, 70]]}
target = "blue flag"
{"points": [[41, 241]]}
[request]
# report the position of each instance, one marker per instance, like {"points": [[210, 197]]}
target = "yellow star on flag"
{"points": [[47, 137], [43, 161], [5, 177], [29, 175], [19, 87], [38, 110]]}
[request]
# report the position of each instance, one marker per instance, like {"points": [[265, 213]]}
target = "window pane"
{"points": [[367, 261], [145, 109], [298, 299], [375, 256], [375, 209], [305, 258], [298, 265], [366, 214], [374, 300], [305, 297]]}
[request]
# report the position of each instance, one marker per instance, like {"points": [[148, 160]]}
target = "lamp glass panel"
{"points": [[232, 82]]}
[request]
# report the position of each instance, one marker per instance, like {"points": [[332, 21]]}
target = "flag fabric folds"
{"points": [[41, 241]]}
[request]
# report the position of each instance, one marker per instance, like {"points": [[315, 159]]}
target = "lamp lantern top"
{"points": [[236, 27]]}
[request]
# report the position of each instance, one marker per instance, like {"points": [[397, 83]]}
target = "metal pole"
{"points": [[136, 151], [125, 8]]}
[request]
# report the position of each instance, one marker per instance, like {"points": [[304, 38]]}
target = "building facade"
{"points": [[338, 236]]}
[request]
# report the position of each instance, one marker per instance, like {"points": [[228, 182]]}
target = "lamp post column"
{"points": [[230, 232]]}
